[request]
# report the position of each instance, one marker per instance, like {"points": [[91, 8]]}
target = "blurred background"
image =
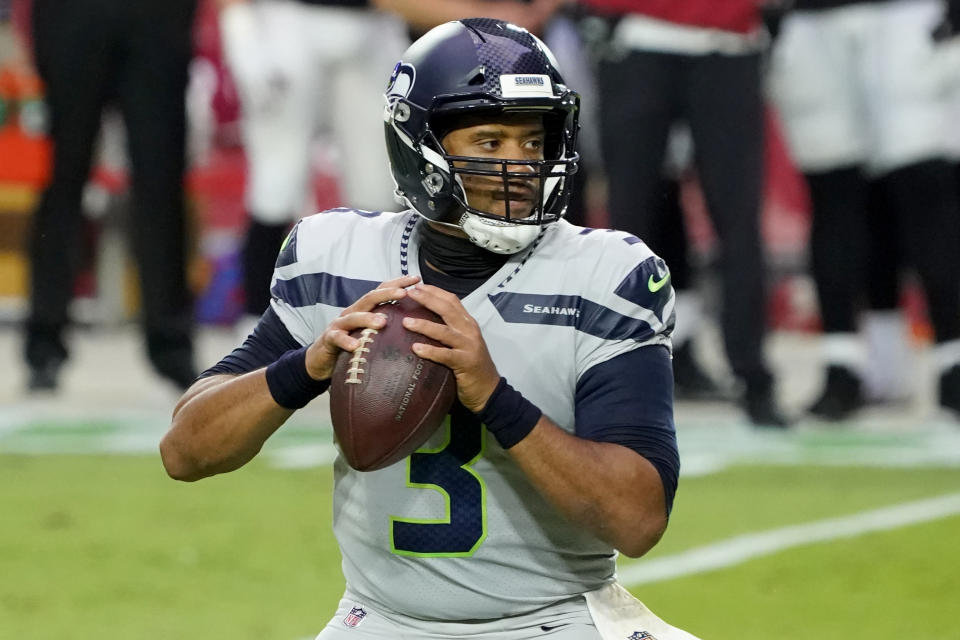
{"points": [[806, 151]]}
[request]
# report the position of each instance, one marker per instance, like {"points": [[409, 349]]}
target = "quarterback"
{"points": [[560, 451]]}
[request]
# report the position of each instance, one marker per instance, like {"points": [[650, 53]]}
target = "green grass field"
{"points": [[105, 547]]}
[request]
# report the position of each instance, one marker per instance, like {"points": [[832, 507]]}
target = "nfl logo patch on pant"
{"points": [[355, 617]]}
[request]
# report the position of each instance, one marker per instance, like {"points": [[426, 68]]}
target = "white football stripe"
{"points": [[739, 549]]}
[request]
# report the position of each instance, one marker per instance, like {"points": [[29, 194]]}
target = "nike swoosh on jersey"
{"points": [[656, 285], [545, 627]]}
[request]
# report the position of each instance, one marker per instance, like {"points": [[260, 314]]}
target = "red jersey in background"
{"points": [[740, 16]]}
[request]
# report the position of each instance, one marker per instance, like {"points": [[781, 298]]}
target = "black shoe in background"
{"points": [[841, 395], [763, 412], [45, 376], [45, 353], [690, 381], [949, 389], [176, 365], [760, 405], [171, 354]]}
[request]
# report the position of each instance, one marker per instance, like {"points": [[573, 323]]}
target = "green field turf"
{"points": [[899, 584], [107, 547]]}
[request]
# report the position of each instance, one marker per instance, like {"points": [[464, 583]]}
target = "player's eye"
{"points": [[533, 148]]}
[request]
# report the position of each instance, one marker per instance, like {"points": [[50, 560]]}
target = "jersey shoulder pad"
{"points": [[335, 230], [334, 257], [630, 272], [622, 288]]}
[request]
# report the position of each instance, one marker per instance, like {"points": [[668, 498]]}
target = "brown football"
{"points": [[385, 401]]}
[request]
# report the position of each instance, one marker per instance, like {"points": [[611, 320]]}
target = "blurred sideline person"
{"points": [[13, 51], [886, 375], [861, 90], [423, 15], [696, 60], [302, 65], [561, 447], [668, 237], [89, 53], [671, 241]]}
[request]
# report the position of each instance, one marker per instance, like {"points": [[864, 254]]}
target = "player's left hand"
{"points": [[465, 350]]}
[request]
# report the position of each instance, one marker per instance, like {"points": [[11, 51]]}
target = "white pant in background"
{"points": [[301, 69], [863, 84]]}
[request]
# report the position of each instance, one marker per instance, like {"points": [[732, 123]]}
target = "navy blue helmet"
{"points": [[479, 67]]}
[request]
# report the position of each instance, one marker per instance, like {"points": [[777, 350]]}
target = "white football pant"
{"points": [[863, 84], [305, 69]]}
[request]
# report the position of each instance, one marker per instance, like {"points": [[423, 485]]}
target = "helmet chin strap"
{"points": [[498, 237], [494, 235]]}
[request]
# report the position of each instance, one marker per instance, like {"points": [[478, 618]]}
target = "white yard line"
{"points": [[739, 549]]}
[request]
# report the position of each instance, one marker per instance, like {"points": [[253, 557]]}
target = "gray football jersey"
{"points": [[455, 531]]}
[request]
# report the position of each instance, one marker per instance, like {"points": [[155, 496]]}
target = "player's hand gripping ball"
{"points": [[386, 401]]}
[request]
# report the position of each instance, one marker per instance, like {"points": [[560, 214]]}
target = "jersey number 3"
{"points": [[447, 469]]}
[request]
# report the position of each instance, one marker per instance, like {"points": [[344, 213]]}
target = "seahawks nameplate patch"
{"points": [[525, 85]]}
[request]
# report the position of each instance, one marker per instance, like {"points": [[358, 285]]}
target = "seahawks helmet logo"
{"points": [[401, 81]]}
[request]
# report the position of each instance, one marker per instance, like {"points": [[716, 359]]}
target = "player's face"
{"points": [[514, 137]]}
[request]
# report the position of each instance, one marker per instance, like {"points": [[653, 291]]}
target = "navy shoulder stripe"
{"points": [[646, 286], [321, 288], [570, 311]]}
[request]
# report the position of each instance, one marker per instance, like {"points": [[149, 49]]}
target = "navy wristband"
{"points": [[508, 415], [290, 384]]}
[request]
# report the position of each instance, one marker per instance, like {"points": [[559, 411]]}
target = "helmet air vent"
{"points": [[477, 76]]}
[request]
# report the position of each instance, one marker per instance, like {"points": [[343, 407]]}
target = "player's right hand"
{"points": [[322, 354]]}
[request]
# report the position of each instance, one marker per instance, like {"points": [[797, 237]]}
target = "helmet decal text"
{"points": [[515, 85]]}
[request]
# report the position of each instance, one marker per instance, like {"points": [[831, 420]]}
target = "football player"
{"points": [[861, 87], [561, 449]]}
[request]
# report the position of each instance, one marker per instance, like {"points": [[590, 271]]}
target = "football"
{"points": [[385, 401]]}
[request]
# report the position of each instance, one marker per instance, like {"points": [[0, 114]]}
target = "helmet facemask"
{"points": [[501, 204]]}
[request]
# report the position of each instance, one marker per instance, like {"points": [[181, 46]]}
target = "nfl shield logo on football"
{"points": [[355, 617], [640, 635]]}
